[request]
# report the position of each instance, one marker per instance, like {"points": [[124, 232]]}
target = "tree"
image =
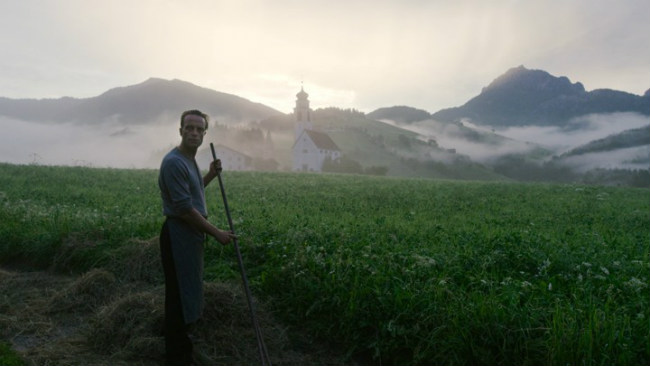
{"points": [[404, 141]]}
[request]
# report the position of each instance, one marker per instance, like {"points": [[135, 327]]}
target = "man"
{"points": [[182, 236]]}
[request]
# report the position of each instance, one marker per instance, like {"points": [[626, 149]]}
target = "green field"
{"points": [[390, 270]]}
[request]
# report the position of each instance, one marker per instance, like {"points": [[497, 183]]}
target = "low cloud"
{"points": [[453, 136], [98, 145], [578, 132], [634, 158], [112, 143], [494, 142]]}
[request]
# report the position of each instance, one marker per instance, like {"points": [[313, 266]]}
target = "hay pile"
{"points": [[113, 316], [137, 262], [86, 293], [130, 327]]}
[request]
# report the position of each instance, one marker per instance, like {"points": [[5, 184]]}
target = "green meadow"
{"points": [[389, 270]]}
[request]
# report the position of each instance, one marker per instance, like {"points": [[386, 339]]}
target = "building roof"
{"points": [[224, 147], [322, 140]]}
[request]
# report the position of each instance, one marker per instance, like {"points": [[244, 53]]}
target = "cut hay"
{"points": [[226, 335], [4, 275], [133, 261], [113, 316], [23, 298], [86, 293], [129, 327], [74, 253], [137, 261]]}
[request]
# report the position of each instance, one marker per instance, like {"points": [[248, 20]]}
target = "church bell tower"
{"points": [[302, 112]]}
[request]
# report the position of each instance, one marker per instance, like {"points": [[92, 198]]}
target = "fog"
{"points": [[452, 136], [578, 132], [101, 145], [634, 158], [112, 144], [557, 140]]}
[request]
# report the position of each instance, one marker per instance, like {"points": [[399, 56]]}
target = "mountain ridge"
{"points": [[400, 114], [399, 140], [137, 104], [523, 97]]}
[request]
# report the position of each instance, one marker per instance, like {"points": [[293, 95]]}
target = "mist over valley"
{"points": [[134, 126]]}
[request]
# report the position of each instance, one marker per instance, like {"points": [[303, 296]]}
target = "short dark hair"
{"points": [[195, 112]]}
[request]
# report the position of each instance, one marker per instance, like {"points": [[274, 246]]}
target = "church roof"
{"points": [[322, 140]]}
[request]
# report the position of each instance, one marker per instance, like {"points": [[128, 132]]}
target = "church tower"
{"points": [[302, 113], [311, 148]]}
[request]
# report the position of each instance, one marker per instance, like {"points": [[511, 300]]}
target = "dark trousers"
{"points": [[178, 345]]}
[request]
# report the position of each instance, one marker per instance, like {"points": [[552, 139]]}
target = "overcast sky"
{"points": [[362, 54]]}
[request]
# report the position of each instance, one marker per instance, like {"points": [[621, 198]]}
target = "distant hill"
{"points": [[138, 104], [400, 114], [523, 97], [377, 144], [626, 139], [396, 141]]}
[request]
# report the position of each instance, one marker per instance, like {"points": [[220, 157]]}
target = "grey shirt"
{"points": [[181, 185], [181, 188]]}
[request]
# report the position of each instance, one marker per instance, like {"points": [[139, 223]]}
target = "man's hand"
{"points": [[224, 237], [215, 167]]}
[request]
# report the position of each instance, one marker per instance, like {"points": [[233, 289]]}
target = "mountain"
{"points": [[124, 127], [138, 104], [523, 123], [523, 97]]}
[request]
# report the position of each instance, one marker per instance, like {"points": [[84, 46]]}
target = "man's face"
{"points": [[192, 131]]}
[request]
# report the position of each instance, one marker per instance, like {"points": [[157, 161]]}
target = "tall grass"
{"points": [[394, 271], [48, 209]]}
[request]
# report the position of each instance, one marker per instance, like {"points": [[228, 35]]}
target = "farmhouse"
{"points": [[233, 159], [311, 148]]}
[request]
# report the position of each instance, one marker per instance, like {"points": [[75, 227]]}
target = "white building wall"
{"points": [[231, 160], [302, 126], [306, 156]]}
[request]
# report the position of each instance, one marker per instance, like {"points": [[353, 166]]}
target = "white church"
{"points": [[311, 147]]}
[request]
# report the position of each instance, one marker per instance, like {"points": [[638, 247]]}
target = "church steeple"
{"points": [[302, 112]]}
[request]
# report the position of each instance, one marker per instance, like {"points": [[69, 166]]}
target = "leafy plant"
{"points": [[394, 271], [9, 357]]}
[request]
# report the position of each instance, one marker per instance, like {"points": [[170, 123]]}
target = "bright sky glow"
{"points": [[362, 54]]}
